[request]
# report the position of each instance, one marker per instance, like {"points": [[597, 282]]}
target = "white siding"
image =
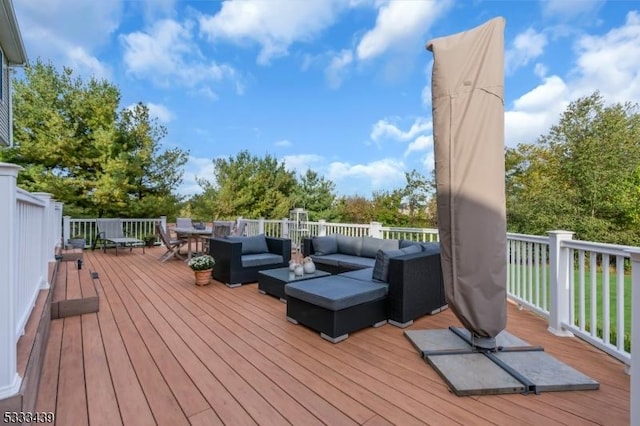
{"points": [[4, 104]]}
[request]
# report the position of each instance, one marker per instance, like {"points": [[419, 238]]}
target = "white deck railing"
{"points": [[31, 224], [552, 281], [86, 228]]}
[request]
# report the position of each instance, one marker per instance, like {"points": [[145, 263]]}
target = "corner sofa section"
{"points": [[238, 259], [410, 272]]}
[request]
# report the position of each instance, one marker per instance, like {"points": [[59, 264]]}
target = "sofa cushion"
{"points": [[325, 245], [252, 245], [336, 292], [431, 248], [349, 245], [370, 246], [407, 243], [260, 259], [365, 274], [381, 267], [344, 259]]}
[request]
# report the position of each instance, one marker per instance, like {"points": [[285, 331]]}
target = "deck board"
{"points": [[163, 351]]}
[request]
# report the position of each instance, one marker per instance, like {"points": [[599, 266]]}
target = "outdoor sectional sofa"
{"points": [[238, 259], [374, 281]]}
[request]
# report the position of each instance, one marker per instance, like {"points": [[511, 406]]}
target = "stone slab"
{"points": [[473, 373]]}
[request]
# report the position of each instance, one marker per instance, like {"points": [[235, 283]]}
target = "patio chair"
{"points": [[172, 245], [239, 228], [111, 234]]}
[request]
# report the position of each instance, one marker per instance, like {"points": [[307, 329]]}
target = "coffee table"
{"points": [[272, 281]]}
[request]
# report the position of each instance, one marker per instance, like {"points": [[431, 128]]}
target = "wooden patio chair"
{"points": [[172, 245], [111, 234]]}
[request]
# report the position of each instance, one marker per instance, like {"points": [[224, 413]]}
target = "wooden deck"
{"points": [[163, 351]]}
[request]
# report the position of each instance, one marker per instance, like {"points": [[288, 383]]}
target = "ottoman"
{"points": [[336, 305]]}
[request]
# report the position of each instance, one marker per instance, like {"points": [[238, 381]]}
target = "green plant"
{"points": [[201, 263], [149, 239]]}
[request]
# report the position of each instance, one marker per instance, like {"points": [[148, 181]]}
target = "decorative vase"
{"points": [[292, 265], [203, 277], [308, 266], [299, 271]]}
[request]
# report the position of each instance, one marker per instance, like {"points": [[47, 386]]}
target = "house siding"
{"points": [[4, 105]]}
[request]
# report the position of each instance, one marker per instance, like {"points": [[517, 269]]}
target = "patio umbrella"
{"points": [[468, 121]]}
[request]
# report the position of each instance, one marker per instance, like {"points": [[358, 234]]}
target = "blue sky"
{"points": [[339, 86]]}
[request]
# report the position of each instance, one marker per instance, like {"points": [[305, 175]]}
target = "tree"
{"points": [[315, 194], [417, 192], [387, 207], [73, 143], [582, 176], [354, 209], [247, 185]]}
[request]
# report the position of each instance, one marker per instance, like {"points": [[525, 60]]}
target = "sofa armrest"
{"points": [[281, 246], [416, 287], [307, 247], [227, 253]]}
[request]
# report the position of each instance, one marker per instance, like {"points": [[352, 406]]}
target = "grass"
{"points": [[613, 297]]}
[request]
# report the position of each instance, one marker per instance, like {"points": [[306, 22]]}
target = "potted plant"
{"points": [[202, 267], [77, 241], [149, 240]]}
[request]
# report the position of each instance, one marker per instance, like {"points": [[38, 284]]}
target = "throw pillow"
{"points": [[381, 267], [325, 245], [349, 245], [252, 245]]}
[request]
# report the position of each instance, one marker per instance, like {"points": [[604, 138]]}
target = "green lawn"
{"points": [[613, 309]]}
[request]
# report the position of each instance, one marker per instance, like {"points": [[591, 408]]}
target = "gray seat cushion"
{"points": [[335, 292], [365, 274], [260, 259], [336, 259]]}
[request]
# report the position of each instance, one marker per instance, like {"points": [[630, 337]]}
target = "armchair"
{"points": [[238, 259]]}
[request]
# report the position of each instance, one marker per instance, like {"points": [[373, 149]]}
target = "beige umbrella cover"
{"points": [[468, 122]]}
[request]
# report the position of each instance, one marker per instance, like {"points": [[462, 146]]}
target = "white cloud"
{"points": [[385, 129], [167, 54], [400, 25], [421, 143], [610, 63], [380, 173], [196, 167], [283, 143], [274, 25], [526, 46], [536, 111], [161, 112], [337, 68], [67, 33], [301, 163]]}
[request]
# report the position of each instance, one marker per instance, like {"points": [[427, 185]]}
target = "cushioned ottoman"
{"points": [[336, 305]]}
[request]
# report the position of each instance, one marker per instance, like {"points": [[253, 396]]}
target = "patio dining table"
{"points": [[193, 234]]}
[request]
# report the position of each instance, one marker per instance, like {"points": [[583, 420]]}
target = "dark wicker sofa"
{"points": [[415, 283], [238, 259]]}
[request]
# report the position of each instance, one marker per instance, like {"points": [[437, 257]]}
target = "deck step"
{"points": [[74, 292]]}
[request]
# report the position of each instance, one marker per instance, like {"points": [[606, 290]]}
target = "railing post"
{"points": [[260, 225], [46, 245], [285, 227], [375, 229], [322, 228], [559, 297], [9, 378], [634, 396], [163, 223], [58, 224], [66, 230]]}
